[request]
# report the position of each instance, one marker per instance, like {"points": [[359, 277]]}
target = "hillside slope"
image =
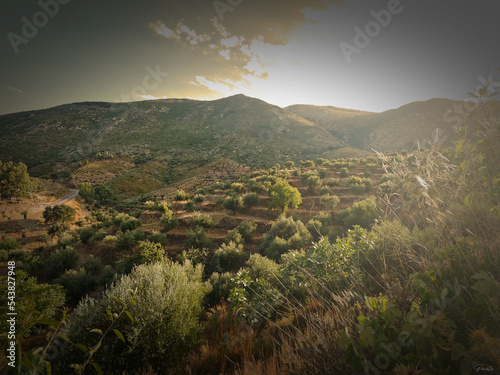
{"points": [[240, 128]]}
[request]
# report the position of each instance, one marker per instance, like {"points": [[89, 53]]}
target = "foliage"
{"points": [[229, 257], [63, 259], [164, 320], [283, 195], [15, 181], [198, 239], [181, 195], [344, 172], [169, 221], [86, 191], [363, 213], [233, 203], [204, 221], [251, 200], [10, 244], [246, 228], [285, 235], [329, 201], [59, 213], [159, 238], [313, 183], [150, 252]]}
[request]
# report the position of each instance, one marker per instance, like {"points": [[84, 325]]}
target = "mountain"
{"points": [[240, 128], [394, 130]]}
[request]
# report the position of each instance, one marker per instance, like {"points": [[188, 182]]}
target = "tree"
{"points": [[251, 199], [289, 164], [283, 195], [103, 194], [169, 221], [233, 203], [313, 183], [164, 326], [15, 181], [59, 213], [86, 191]]}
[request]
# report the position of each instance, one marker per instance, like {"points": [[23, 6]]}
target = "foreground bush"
{"points": [[166, 320]]}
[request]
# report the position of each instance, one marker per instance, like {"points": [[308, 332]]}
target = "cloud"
{"points": [[19, 91], [151, 97], [181, 32]]}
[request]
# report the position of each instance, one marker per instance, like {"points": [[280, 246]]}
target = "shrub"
{"points": [[150, 252], [169, 221], [198, 198], [344, 172], [109, 239], [333, 182], [181, 195], [10, 244], [203, 220], [229, 257], [198, 239], [329, 201], [362, 213], [93, 266], [195, 256], [233, 203], [158, 238], [67, 238], [251, 200], [286, 234], [77, 284], [258, 266], [358, 188], [62, 260], [325, 191], [57, 229], [125, 241], [322, 173], [247, 228], [221, 288], [86, 233], [165, 327], [189, 206], [237, 187], [234, 236], [313, 183]]}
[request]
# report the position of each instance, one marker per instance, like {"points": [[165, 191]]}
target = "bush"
{"points": [[189, 206], [198, 239], [362, 213], [62, 260], [258, 266], [237, 187], [358, 189], [251, 200], [77, 284], [203, 220], [221, 287], [166, 320], [93, 266], [158, 238], [233, 203], [329, 201], [181, 195], [322, 173], [86, 234], [246, 228], [198, 198], [229, 257], [169, 221], [344, 172], [195, 256], [286, 234], [10, 244], [150, 252], [125, 241], [67, 238], [57, 229], [333, 182], [313, 183], [325, 191], [130, 225]]}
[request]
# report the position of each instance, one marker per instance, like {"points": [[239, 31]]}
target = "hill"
{"points": [[239, 128], [392, 130]]}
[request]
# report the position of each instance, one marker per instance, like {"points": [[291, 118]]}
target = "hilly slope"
{"points": [[240, 128], [395, 129]]}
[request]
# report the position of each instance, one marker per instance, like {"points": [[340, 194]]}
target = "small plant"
{"points": [[203, 220], [251, 200]]}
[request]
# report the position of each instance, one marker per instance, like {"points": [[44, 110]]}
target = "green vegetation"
{"points": [[283, 195]]}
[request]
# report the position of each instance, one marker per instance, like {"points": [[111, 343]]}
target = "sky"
{"points": [[368, 55]]}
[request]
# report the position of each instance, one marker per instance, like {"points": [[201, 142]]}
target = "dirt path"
{"points": [[66, 199]]}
